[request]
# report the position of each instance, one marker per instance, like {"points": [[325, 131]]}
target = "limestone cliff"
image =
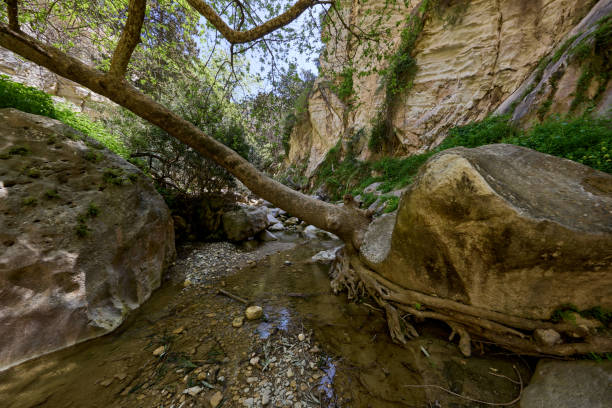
{"points": [[471, 56]]}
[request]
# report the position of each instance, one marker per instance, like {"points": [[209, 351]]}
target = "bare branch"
{"points": [[130, 37], [12, 14], [240, 37]]}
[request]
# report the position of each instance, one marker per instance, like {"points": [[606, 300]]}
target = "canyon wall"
{"points": [[471, 57]]}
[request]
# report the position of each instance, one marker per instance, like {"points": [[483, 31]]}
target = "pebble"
{"points": [[178, 331], [159, 351], [215, 400], [301, 337], [238, 321], [254, 361], [290, 372], [254, 312], [193, 391]]}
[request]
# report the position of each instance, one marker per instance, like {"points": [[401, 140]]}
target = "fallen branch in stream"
{"points": [[232, 296]]}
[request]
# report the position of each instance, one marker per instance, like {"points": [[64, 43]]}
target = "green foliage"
{"points": [[391, 203], [25, 98], [379, 132], [30, 201], [493, 129], [18, 151], [95, 130], [598, 313], [32, 100], [344, 88], [583, 139], [565, 313], [114, 177], [594, 53], [51, 194], [92, 210], [82, 230]]}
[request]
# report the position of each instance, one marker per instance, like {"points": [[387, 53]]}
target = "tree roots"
{"points": [[511, 332]]}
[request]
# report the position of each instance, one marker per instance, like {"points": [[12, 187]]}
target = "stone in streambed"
{"points": [[253, 312]]}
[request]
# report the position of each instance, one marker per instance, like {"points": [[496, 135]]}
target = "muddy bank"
{"points": [[311, 349]]}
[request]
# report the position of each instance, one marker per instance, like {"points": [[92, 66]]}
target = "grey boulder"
{"points": [[84, 237]]}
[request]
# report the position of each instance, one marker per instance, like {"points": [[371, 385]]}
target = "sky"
{"points": [[303, 61]]}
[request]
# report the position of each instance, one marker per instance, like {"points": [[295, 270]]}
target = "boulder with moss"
{"points": [[84, 237], [496, 239]]}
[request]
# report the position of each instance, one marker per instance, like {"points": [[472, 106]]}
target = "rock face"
{"points": [[569, 384], [552, 88], [471, 56], [503, 228], [243, 223], [84, 237]]}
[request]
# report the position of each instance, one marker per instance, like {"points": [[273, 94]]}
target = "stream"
{"points": [[311, 349]]}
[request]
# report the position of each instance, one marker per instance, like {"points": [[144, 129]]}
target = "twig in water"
{"points": [[232, 296], [496, 404]]}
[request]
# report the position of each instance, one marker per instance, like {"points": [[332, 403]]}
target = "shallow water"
{"points": [[363, 368]]}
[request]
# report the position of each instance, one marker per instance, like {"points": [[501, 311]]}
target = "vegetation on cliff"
{"points": [[584, 139]]}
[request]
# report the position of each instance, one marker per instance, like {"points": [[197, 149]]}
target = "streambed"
{"points": [[312, 348]]}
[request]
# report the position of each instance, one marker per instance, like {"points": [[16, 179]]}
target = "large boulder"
{"points": [[245, 222], [569, 384], [503, 228], [84, 237]]}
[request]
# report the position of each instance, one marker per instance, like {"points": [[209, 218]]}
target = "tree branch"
{"points": [[130, 37], [347, 223], [240, 37], [13, 11]]}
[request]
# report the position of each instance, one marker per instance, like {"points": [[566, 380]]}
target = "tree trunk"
{"points": [[347, 222]]}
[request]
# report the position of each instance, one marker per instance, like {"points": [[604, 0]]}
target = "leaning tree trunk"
{"points": [[348, 222]]}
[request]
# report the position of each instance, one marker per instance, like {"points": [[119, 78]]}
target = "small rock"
{"points": [[107, 382], [201, 376], [254, 312], [254, 361], [186, 283], [121, 376], [193, 391], [547, 337], [287, 263], [290, 373], [276, 227], [215, 400], [238, 321], [292, 221], [301, 337], [159, 351], [178, 331], [265, 399], [249, 402]]}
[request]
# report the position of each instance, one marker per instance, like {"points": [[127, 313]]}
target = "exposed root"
{"points": [[465, 341], [511, 332]]}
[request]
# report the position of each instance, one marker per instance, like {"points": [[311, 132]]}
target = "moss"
{"points": [[30, 201], [594, 54], [344, 87], [93, 156], [93, 210], [19, 151], [82, 230], [51, 194], [114, 177], [33, 172]]}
